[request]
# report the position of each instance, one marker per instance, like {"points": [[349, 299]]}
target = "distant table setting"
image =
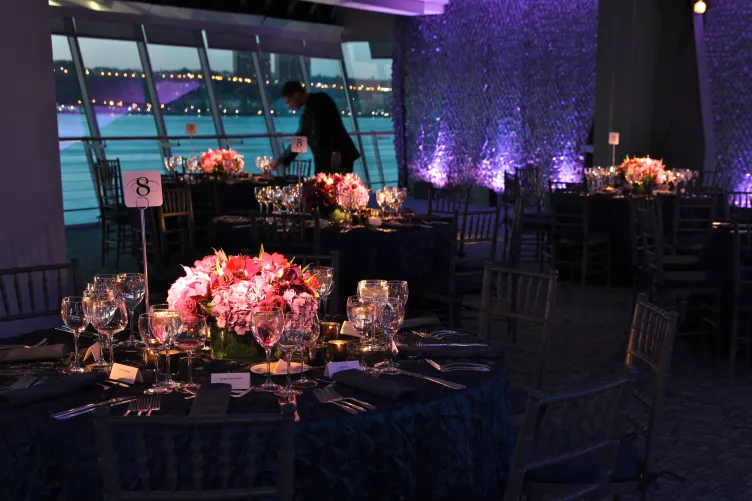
{"points": [[382, 411]]}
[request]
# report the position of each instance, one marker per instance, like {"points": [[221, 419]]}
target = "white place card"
{"points": [[299, 144], [94, 351], [613, 138], [374, 221], [238, 380], [142, 189], [348, 329], [125, 373], [334, 367]]}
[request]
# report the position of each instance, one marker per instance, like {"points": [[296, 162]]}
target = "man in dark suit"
{"points": [[321, 123]]}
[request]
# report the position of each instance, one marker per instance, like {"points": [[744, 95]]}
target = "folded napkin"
{"points": [[429, 351], [51, 389], [211, 400], [348, 329], [49, 352], [378, 386]]}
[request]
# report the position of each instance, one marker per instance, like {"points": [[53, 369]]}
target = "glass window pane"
{"points": [[326, 76], [71, 120], [117, 88], [371, 90], [239, 100]]}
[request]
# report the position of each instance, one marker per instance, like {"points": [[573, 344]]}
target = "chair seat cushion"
{"points": [[582, 470]]}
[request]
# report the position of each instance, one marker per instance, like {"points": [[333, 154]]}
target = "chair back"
{"points": [[563, 428], [634, 203], [528, 183], [651, 343], [570, 215], [205, 204], [742, 264], [739, 206], [299, 169], [693, 218], [448, 201], [521, 302], [109, 185], [512, 251], [331, 260], [176, 223], [196, 459], [20, 297], [478, 227], [289, 234], [652, 247]]}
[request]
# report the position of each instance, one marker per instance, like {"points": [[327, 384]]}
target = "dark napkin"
{"points": [[385, 388], [428, 351], [212, 399], [49, 352], [51, 389]]}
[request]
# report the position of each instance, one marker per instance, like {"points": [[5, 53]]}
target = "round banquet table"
{"points": [[412, 251], [438, 444]]}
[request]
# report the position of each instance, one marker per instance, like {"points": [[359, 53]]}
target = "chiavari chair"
{"points": [[198, 457], [739, 207], [331, 260], [448, 201], [741, 325], [693, 217], [20, 295], [112, 212], [575, 434], [176, 223], [287, 233]]}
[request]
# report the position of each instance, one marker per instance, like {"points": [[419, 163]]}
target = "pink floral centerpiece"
{"points": [[224, 161], [229, 289], [332, 192], [644, 172]]}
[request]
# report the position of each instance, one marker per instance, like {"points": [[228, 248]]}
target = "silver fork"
{"points": [[458, 366], [325, 399], [14, 346], [155, 403], [336, 397], [139, 406]]}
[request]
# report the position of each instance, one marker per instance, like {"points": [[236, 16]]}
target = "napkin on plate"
{"points": [[430, 351], [348, 329], [211, 399], [48, 352], [51, 389], [381, 387]]}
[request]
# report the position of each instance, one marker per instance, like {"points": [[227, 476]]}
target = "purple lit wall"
{"points": [[492, 84], [728, 36]]}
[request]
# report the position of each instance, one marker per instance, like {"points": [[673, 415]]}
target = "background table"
{"points": [[442, 444]]}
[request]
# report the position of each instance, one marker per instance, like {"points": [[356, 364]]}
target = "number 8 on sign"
{"points": [[142, 189]]}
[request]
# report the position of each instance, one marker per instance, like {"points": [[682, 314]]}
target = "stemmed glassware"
{"points": [[192, 335], [154, 343], [166, 323], [267, 327], [94, 290], [295, 328], [325, 277], [310, 336], [108, 316], [391, 315], [376, 291], [381, 200], [131, 288], [75, 317], [397, 289], [362, 313]]}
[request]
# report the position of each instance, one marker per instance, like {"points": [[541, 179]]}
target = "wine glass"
{"points": [[391, 315], [295, 328], [325, 277], [309, 338], [75, 317], [375, 291], [397, 289], [267, 327], [192, 335], [361, 313], [93, 291], [131, 287], [153, 344], [164, 325], [108, 316], [381, 201]]}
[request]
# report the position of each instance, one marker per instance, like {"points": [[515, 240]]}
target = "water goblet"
{"points": [[310, 336], [131, 287], [108, 316], [153, 344], [375, 291], [397, 289], [295, 328], [267, 327], [75, 317], [391, 315], [165, 324], [192, 336], [325, 277], [381, 201], [361, 313]]}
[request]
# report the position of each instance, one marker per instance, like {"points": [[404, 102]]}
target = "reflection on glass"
{"points": [[239, 100]]}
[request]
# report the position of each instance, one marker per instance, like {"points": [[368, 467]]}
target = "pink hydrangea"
{"points": [[187, 292]]}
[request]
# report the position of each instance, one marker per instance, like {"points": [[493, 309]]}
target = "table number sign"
{"points": [[142, 189], [299, 144], [238, 380], [613, 138], [191, 128], [125, 373]]}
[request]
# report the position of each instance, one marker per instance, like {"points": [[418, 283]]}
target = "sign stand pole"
{"points": [[146, 263], [613, 154]]}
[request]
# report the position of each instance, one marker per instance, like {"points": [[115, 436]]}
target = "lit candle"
{"points": [[337, 351], [329, 331]]}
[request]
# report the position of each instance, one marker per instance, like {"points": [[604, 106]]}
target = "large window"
{"points": [[238, 95]]}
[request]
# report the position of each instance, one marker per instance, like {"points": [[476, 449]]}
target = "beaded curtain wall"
{"points": [[492, 84], [728, 35]]}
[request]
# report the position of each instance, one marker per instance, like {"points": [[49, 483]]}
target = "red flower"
{"points": [[242, 267]]}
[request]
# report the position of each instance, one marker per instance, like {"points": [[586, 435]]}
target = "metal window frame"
{"points": [[351, 105], [164, 147], [219, 127], [270, 128]]}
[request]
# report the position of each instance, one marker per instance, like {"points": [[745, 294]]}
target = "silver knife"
{"points": [[89, 407], [443, 382]]}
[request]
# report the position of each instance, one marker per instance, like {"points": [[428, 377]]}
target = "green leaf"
{"points": [[261, 252]]}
